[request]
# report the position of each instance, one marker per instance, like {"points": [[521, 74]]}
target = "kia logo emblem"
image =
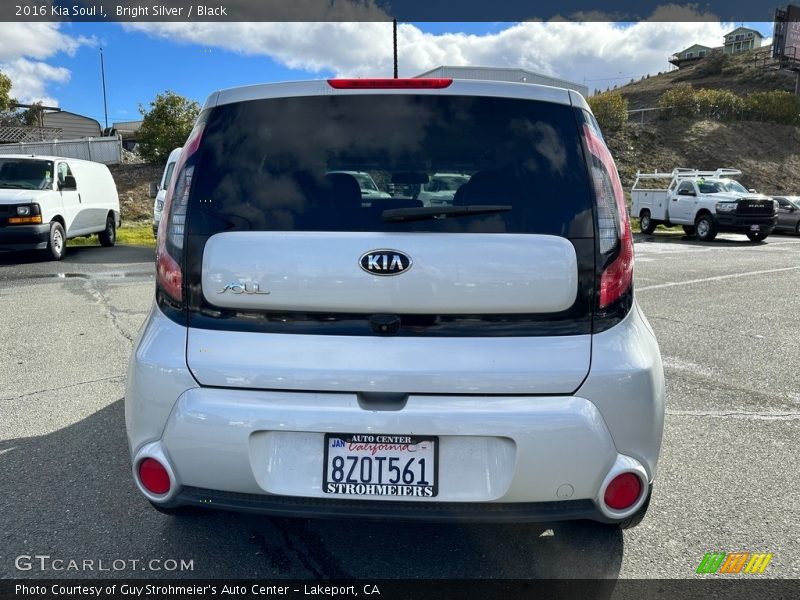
{"points": [[385, 262]]}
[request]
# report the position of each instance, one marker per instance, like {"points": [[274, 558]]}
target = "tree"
{"points": [[7, 103], [166, 125]]}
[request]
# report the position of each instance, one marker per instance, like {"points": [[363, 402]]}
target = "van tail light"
{"points": [[390, 84], [614, 227], [172, 228]]}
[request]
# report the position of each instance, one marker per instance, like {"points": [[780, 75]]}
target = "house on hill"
{"points": [[739, 40], [690, 55], [742, 39]]}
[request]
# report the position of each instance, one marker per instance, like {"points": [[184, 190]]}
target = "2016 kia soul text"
{"points": [[314, 352]]}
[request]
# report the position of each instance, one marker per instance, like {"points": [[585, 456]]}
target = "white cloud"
{"points": [[594, 51], [31, 78], [23, 52]]}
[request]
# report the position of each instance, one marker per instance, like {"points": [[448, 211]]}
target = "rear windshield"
{"points": [[337, 163]]}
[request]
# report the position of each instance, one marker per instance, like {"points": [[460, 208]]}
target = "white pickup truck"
{"points": [[704, 202]]}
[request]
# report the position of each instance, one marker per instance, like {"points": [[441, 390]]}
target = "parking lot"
{"points": [[727, 316]]}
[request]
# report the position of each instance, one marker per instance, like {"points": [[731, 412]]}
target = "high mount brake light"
{"points": [[171, 230], [389, 84], [616, 278]]}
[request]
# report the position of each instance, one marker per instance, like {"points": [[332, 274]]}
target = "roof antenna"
{"points": [[394, 36]]}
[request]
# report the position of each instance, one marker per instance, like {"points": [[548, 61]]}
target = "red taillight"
{"points": [[616, 278], [623, 491], [154, 476], [169, 275], [389, 84], [171, 230]]}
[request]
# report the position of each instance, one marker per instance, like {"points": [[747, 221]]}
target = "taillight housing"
{"points": [[615, 240], [172, 228]]}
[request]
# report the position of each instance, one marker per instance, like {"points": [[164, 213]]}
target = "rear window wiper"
{"points": [[441, 212]]}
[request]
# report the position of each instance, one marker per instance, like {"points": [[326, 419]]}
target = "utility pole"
{"points": [[103, 75], [394, 38]]}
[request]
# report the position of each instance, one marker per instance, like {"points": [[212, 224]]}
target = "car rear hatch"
{"points": [[294, 281]]}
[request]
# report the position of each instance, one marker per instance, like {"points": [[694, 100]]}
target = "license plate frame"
{"points": [[404, 491]]}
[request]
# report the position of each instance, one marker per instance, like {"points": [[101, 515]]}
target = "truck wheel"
{"points": [[108, 237], [57, 245], [688, 230], [757, 237], [646, 223], [704, 228]]}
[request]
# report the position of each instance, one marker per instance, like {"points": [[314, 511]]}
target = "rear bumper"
{"points": [[24, 237], [428, 512], [743, 224], [501, 457]]}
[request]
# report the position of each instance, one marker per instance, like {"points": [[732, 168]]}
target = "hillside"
{"points": [[736, 73], [132, 182], [767, 154]]}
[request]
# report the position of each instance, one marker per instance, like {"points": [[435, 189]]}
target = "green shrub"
{"points": [[678, 101], [718, 104], [610, 109], [712, 64], [776, 107]]}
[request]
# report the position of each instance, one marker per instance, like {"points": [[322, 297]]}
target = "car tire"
{"points": [[176, 511], [57, 244], [646, 223], [688, 230], [797, 228], [704, 228], [757, 237], [638, 516], [108, 237]]}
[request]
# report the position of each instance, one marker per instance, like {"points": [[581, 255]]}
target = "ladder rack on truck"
{"points": [[682, 173]]}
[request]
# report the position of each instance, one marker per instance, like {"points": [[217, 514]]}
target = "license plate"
{"points": [[360, 464], [755, 227]]}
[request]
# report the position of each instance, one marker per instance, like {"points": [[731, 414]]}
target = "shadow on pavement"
{"points": [[69, 494], [81, 255], [685, 240]]}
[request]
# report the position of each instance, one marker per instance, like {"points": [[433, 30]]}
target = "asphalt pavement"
{"points": [[727, 316]]}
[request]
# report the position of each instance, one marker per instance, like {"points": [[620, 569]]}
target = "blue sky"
{"points": [[193, 61]]}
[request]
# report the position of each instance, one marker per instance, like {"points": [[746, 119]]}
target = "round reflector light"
{"points": [[623, 491], [154, 476]]}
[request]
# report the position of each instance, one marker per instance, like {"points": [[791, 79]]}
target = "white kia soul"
{"points": [[311, 352]]}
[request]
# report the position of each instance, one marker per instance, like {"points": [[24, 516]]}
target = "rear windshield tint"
{"points": [[336, 163]]}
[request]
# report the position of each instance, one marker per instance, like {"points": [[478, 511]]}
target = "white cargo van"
{"points": [[159, 190], [46, 200]]}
